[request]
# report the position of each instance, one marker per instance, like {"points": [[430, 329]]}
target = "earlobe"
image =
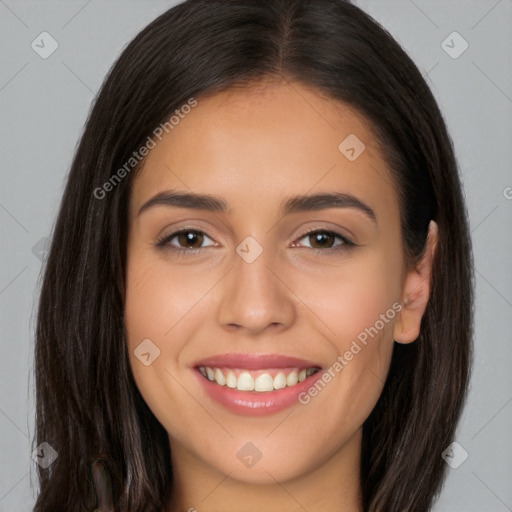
{"points": [[416, 290]]}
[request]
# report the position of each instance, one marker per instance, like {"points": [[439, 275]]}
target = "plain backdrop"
{"points": [[43, 106]]}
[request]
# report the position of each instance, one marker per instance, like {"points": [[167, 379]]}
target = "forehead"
{"points": [[269, 138]]}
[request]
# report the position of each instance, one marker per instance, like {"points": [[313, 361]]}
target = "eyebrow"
{"points": [[301, 203]]}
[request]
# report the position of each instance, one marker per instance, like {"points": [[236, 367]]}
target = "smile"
{"points": [[259, 380], [255, 384]]}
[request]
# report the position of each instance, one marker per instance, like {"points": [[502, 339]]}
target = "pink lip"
{"points": [[255, 361], [254, 403]]}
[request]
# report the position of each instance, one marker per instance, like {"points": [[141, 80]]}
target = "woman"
{"points": [[259, 291]]}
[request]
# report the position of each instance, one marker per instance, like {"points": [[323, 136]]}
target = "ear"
{"points": [[416, 291]]}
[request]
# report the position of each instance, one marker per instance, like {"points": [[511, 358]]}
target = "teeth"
{"points": [[231, 380], [263, 383], [219, 377], [292, 379], [280, 381], [244, 380]]}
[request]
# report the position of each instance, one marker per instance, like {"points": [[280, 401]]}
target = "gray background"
{"points": [[44, 104]]}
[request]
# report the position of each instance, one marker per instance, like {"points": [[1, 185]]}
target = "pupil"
{"points": [[190, 237], [321, 238]]}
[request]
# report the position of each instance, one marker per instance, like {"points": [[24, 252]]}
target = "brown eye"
{"points": [[322, 239], [186, 239], [192, 239], [326, 241]]}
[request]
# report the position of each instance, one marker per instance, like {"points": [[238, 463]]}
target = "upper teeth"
{"points": [[260, 380]]}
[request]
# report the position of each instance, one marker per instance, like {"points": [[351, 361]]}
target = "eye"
{"points": [[187, 240], [192, 240], [326, 240]]}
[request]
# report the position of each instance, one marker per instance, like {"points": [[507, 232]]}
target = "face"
{"points": [[262, 286]]}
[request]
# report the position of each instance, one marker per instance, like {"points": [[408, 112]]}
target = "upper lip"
{"points": [[255, 361]]}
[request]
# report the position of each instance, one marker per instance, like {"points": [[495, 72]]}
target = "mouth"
{"points": [[254, 384], [259, 381]]}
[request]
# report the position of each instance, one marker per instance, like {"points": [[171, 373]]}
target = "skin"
{"points": [[255, 147]]}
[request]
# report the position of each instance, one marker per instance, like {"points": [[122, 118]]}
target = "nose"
{"points": [[255, 297]]}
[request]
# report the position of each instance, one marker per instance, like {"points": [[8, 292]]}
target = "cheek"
{"points": [[155, 303], [158, 307], [354, 298], [166, 306], [356, 305], [158, 299]]}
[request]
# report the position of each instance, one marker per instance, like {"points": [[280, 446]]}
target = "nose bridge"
{"points": [[254, 298]]}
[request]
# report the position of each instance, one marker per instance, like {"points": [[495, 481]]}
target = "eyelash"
{"points": [[164, 242]]}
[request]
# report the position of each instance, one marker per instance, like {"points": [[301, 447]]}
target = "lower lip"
{"points": [[256, 403]]}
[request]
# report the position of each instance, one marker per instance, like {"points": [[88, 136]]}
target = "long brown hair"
{"points": [[88, 407]]}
